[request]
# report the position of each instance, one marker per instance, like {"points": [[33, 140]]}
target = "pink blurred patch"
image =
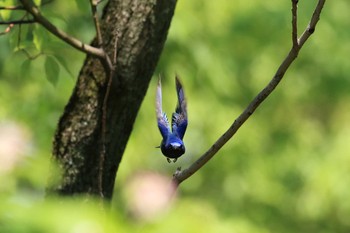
{"points": [[14, 144], [149, 195]]}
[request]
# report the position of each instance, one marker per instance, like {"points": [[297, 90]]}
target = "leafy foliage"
{"points": [[52, 70]]}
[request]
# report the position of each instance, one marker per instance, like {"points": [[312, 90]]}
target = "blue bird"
{"points": [[172, 145]]}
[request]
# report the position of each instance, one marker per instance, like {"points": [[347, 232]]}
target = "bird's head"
{"points": [[176, 146], [173, 148]]}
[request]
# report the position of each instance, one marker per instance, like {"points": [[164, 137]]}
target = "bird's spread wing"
{"points": [[179, 119], [162, 120]]}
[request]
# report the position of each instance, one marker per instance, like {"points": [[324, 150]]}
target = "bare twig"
{"points": [[27, 21], [12, 8], [104, 115], [295, 23], [7, 30], [94, 4], [310, 29], [88, 49], [179, 175], [110, 70], [19, 22]]}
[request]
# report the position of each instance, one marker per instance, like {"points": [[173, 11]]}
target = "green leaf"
{"points": [[5, 15], [64, 63], [40, 37], [52, 70], [25, 68], [83, 6]]}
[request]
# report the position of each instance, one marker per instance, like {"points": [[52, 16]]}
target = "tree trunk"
{"points": [[141, 28]]}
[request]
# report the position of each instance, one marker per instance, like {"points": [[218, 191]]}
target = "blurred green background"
{"points": [[286, 170]]}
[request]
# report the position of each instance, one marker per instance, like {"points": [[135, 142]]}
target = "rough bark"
{"points": [[142, 28]]}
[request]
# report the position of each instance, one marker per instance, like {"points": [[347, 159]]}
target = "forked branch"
{"points": [[38, 17], [297, 44]]}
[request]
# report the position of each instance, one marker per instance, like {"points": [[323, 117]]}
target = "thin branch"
{"points": [[12, 8], [88, 49], [19, 22], [310, 29], [29, 21], [295, 23], [107, 62], [94, 4], [7, 30], [104, 115], [180, 176], [115, 49]]}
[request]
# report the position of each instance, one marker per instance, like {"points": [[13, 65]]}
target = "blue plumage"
{"points": [[172, 145]]}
